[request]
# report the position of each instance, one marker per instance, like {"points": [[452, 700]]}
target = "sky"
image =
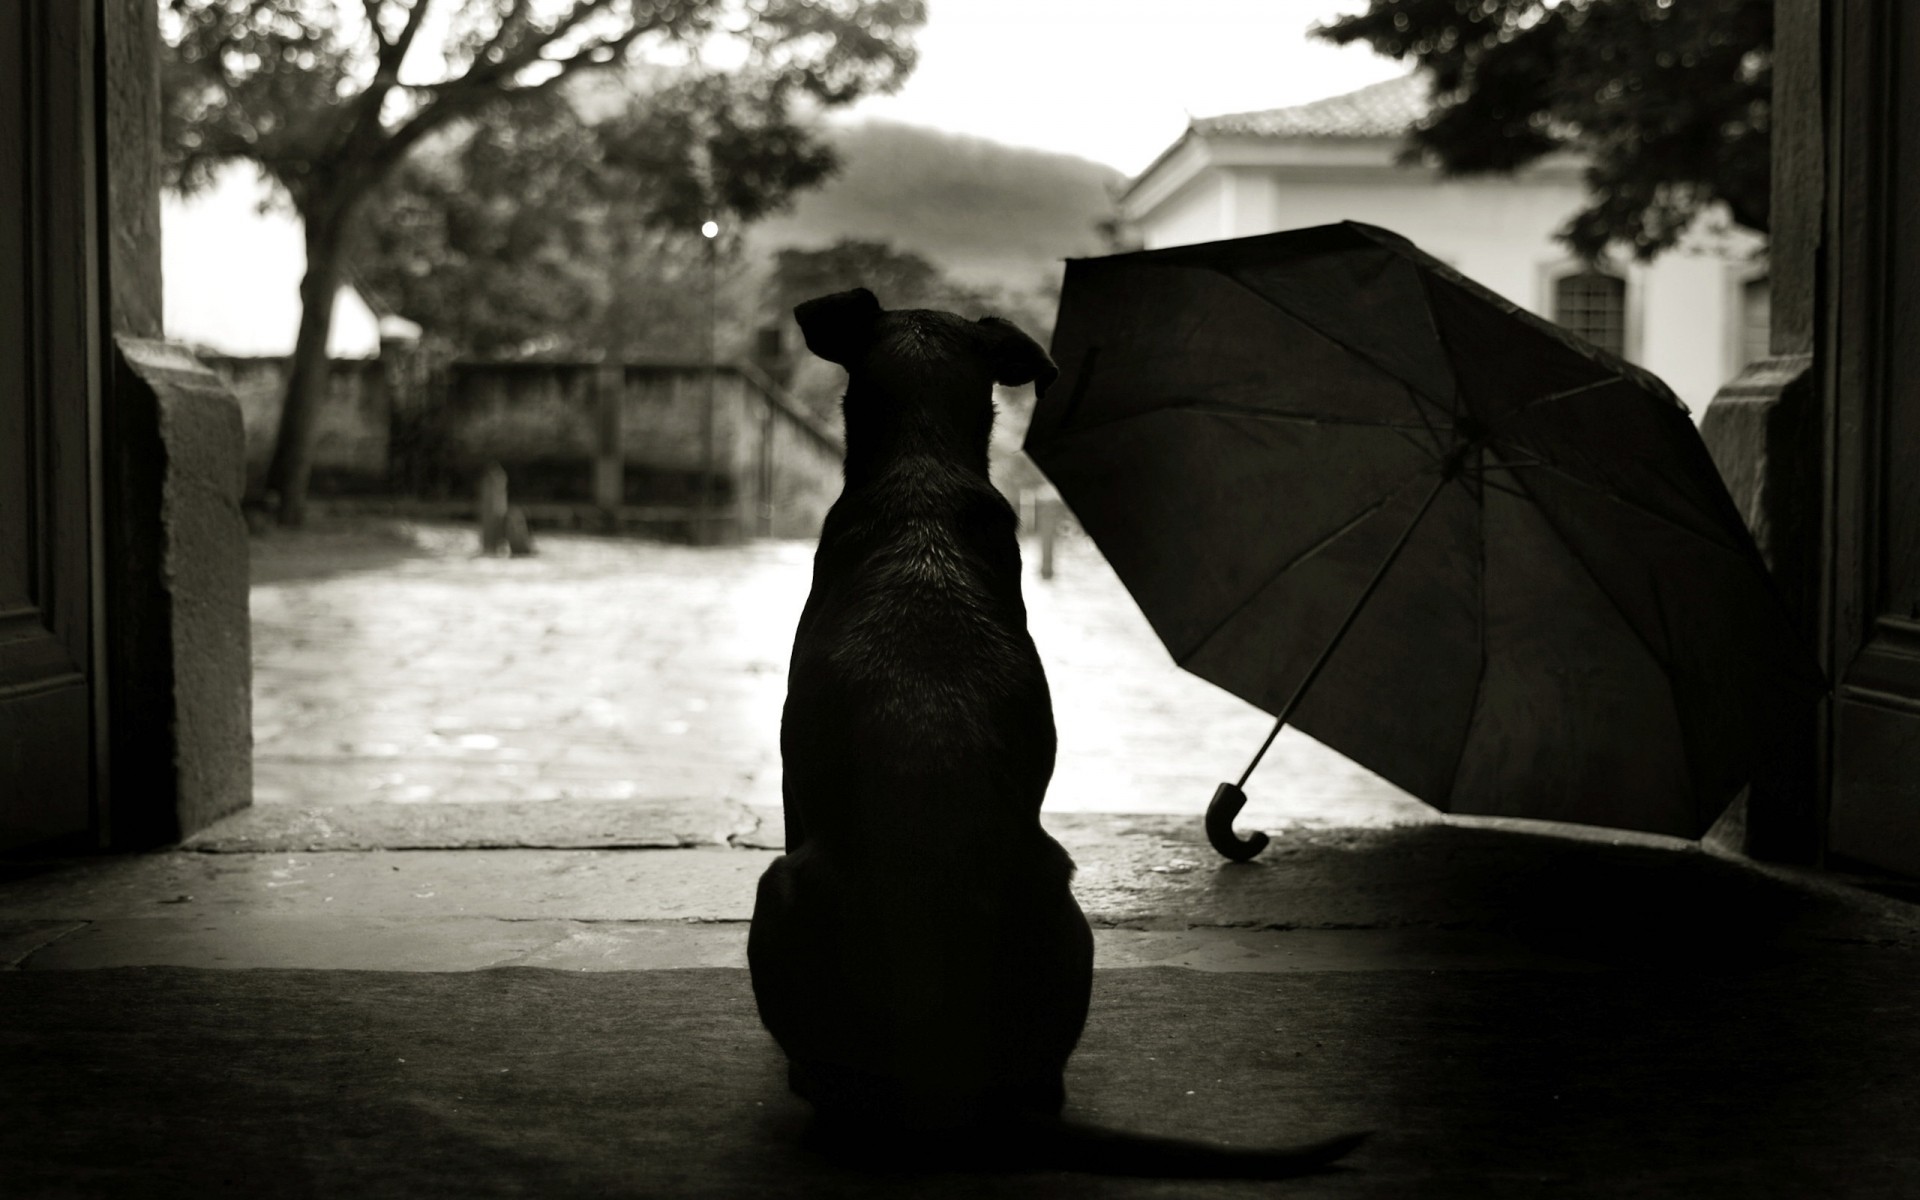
{"points": [[1116, 80]]}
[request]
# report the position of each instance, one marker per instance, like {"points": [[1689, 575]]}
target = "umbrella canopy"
{"points": [[1572, 624]]}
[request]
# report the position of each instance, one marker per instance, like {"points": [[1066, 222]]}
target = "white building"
{"points": [[1694, 316]]}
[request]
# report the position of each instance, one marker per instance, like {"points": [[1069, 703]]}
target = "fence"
{"points": [[678, 449]]}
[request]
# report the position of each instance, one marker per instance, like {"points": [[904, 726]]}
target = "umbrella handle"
{"points": [[1228, 799], [1226, 804]]}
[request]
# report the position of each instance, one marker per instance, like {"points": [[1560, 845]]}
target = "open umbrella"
{"points": [[1490, 562]]}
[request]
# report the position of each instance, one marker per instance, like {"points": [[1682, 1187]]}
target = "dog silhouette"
{"points": [[917, 951]]}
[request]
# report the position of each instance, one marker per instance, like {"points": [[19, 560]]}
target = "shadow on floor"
{"points": [[520, 1082], [1706, 1030], [326, 549]]}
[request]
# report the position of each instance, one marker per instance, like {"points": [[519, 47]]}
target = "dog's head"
{"points": [[917, 379], [851, 329]]}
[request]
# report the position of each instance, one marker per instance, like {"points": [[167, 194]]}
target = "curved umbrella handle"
{"points": [[1227, 802]]}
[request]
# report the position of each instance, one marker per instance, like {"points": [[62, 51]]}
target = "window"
{"points": [[1594, 305], [1756, 320]]}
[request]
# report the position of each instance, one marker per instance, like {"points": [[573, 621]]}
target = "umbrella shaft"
{"points": [[1333, 643]]}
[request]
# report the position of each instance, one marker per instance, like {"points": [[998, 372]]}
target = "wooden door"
{"points": [[1873, 336], [48, 401]]}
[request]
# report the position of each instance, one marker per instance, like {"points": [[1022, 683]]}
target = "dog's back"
{"points": [[911, 950], [917, 952]]}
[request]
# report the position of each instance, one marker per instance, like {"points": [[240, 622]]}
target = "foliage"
{"points": [[901, 278], [711, 145], [541, 231], [331, 97], [1669, 100], [320, 92], [988, 214], [487, 244]]}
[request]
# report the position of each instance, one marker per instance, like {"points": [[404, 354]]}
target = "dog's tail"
{"points": [[1072, 1146], [1042, 1143]]}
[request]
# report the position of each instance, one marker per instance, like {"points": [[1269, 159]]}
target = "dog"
{"points": [[917, 951]]}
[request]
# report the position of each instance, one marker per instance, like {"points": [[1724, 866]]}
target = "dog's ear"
{"points": [[1016, 358], [838, 327]]}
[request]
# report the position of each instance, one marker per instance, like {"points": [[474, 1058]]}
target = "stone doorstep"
{"points": [[225, 941], [586, 824], [19, 940]]}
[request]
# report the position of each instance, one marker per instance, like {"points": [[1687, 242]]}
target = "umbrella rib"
{"points": [[1344, 529], [1082, 378], [1413, 392], [1480, 679], [1402, 432], [1420, 407], [1502, 488], [1592, 575], [1568, 393], [1258, 414], [1553, 468], [1666, 668], [1508, 463]]}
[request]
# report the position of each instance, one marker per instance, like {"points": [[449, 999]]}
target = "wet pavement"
{"points": [[393, 664]]}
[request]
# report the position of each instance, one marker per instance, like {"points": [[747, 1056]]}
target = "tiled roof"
{"points": [[1384, 110]]}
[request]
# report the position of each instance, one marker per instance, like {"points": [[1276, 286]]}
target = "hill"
{"points": [[986, 213]]}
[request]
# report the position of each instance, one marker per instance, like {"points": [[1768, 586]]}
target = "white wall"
{"points": [[1498, 235], [1688, 322], [1193, 214], [1497, 231]]}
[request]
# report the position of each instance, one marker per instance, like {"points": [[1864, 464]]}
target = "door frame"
{"points": [[54, 646], [1867, 308]]}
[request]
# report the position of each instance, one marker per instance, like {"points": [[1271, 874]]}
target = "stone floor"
{"points": [[483, 932], [392, 664]]}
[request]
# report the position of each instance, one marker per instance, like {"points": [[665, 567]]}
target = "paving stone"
{"points": [[560, 823], [386, 657]]}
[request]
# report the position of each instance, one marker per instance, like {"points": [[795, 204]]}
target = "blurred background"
{"points": [[515, 275]]}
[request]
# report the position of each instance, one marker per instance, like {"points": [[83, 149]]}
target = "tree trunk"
{"points": [[307, 379]]}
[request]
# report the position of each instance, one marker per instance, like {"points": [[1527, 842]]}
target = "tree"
{"points": [[1669, 100], [901, 278], [492, 243], [330, 98], [568, 223]]}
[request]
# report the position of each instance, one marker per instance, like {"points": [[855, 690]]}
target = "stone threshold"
{"points": [[288, 942], [651, 824]]}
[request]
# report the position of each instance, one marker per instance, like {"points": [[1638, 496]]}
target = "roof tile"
{"points": [[1384, 110]]}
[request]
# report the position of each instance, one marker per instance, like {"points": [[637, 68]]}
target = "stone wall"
{"points": [[537, 419], [354, 427]]}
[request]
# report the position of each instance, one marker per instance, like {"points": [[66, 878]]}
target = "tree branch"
{"points": [[363, 135], [484, 72], [372, 9], [597, 53], [394, 53], [487, 80]]}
